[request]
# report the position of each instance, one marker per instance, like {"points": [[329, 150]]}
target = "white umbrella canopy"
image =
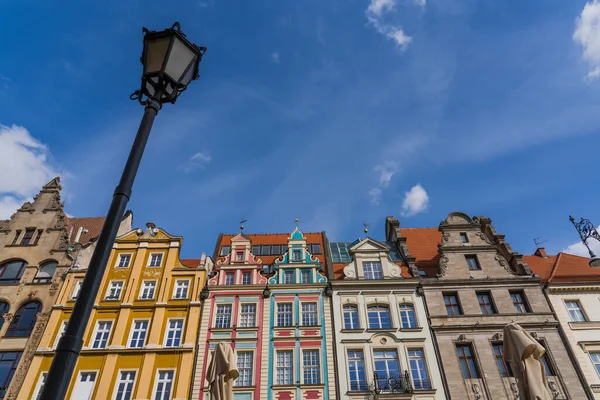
{"points": [[524, 353], [222, 372]]}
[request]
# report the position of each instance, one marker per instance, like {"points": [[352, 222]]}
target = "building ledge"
{"points": [[595, 388], [584, 325]]}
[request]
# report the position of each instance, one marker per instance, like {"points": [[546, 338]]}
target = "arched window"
{"points": [[46, 272], [4, 306], [11, 271], [24, 320], [407, 316], [379, 317], [351, 317]]}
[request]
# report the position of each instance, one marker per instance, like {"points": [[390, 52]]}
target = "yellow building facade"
{"points": [[140, 340]]}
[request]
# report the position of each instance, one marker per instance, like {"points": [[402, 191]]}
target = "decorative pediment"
{"points": [[240, 238], [457, 218], [368, 245], [151, 233]]}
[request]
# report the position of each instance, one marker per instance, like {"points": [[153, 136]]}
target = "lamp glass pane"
{"points": [[156, 51], [190, 73], [180, 57]]}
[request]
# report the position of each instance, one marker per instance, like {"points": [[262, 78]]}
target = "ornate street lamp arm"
{"points": [[586, 230]]}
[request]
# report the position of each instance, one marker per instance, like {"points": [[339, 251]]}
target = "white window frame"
{"points": [[118, 381], [318, 366], [595, 365], [291, 313], [244, 324], [181, 338], [405, 311], [156, 377], [371, 274], [579, 308], [76, 289], [230, 315], [229, 274], [132, 328], [162, 258], [186, 287], [121, 256], [141, 293], [95, 332], [39, 385], [425, 367], [61, 332], [110, 287], [316, 313], [251, 369], [246, 274], [86, 371], [291, 367]]}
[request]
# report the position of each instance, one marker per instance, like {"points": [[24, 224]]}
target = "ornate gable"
{"points": [[297, 264], [375, 254]]}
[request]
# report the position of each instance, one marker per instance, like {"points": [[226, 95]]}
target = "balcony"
{"points": [[388, 386]]}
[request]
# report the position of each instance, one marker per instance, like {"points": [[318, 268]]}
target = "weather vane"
{"points": [[366, 230], [242, 222], [296, 221]]}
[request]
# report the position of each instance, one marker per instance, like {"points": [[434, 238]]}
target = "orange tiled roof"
{"points": [[276, 238], [423, 245], [338, 270], [191, 262], [564, 268], [540, 265], [92, 224]]}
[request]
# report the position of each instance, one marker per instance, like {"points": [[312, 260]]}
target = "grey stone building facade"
{"points": [[473, 284]]}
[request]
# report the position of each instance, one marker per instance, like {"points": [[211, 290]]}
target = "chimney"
{"points": [[78, 234], [541, 252]]}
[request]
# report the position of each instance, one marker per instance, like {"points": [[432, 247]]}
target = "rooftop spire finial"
{"points": [[241, 223], [296, 221], [366, 230]]}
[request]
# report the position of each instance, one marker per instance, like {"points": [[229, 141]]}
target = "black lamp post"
{"points": [[170, 63], [586, 230]]}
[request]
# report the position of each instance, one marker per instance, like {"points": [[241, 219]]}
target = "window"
{"points": [[284, 314], [138, 334], [407, 316], [124, 260], [76, 289], [276, 249], [37, 393], [84, 387], [46, 272], [24, 320], [305, 276], [61, 332], [288, 276], [124, 389], [452, 306], [351, 317], [297, 255], [339, 252], [467, 361], [248, 316], [4, 307], [504, 367], [164, 385], [223, 317], [423, 273], [574, 308], [379, 317], [472, 263], [309, 314], [372, 270], [596, 361], [11, 272], [17, 234], [311, 363], [28, 236], [114, 290], [239, 256], [256, 250], [418, 369], [485, 303], [8, 365], [174, 330], [246, 278], [518, 299], [284, 368], [245, 366], [155, 260], [314, 248], [356, 368], [463, 237], [225, 250], [387, 368], [181, 289], [148, 288], [548, 367], [101, 334], [38, 236], [229, 278]]}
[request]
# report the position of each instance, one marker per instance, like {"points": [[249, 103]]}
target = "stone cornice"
{"points": [[520, 280], [589, 288]]}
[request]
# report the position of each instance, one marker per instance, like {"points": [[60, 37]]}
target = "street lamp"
{"points": [[586, 230], [170, 63]]}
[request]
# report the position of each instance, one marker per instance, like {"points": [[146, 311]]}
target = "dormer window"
{"points": [[296, 255], [463, 237], [372, 270], [225, 250], [239, 256]]}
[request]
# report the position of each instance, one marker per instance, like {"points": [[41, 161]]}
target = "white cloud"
{"points": [[415, 201], [579, 249], [421, 3], [386, 172], [375, 195], [24, 167], [275, 57], [199, 160], [587, 34], [375, 13]]}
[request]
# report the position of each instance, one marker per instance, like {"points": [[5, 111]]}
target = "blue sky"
{"points": [[326, 111]]}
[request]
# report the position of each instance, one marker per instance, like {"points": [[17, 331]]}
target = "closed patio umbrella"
{"points": [[222, 372], [524, 353]]}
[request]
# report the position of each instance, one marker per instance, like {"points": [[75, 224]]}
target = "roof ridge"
{"points": [[265, 234], [555, 266], [421, 228]]}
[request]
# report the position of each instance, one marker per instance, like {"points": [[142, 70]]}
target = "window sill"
{"points": [[382, 330], [240, 388], [418, 329], [215, 329], [355, 330], [21, 245], [277, 328]]}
